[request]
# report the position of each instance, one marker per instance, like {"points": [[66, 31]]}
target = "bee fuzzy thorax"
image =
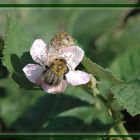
{"points": [[54, 74], [59, 67]]}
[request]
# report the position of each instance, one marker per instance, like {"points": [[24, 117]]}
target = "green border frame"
{"points": [[62, 135], [65, 135], [69, 5]]}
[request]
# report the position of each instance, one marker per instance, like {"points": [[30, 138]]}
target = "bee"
{"points": [[55, 72]]}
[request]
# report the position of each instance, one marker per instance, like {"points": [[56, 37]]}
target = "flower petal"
{"points": [[33, 72], [77, 77], [39, 51], [73, 55], [55, 89]]}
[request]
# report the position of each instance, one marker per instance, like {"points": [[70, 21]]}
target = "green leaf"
{"points": [[80, 93], [96, 110], [100, 72], [16, 56], [128, 95], [55, 21], [16, 101], [86, 113], [94, 18], [128, 36], [118, 40], [127, 65], [17, 41], [95, 22], [45, 110], [16, 51]]}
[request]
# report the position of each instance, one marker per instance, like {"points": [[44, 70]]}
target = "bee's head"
{"points": [[60, 60]]}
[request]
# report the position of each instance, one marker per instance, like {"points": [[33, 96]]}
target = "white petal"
{"points": [[38, 51], [33, 72], [55, 89], [73, 55], [77, 77]]}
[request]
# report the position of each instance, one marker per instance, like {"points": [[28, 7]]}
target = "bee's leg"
{"points": [[47, 67], [64, 77], [46, 70]]}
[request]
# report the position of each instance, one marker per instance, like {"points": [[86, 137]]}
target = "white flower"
{"points": [[45, 55]]}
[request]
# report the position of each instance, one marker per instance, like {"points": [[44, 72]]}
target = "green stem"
{"points": [[120, 130], [99, 71]]}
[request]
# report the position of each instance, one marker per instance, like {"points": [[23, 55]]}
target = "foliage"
{"points": [[128, 96], [108, 41]]}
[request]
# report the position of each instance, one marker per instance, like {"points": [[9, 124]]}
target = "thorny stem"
{"points": [[118, 128], [100, 72]]}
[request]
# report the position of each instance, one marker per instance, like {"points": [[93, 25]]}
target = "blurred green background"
{"points": [[109, 36]]}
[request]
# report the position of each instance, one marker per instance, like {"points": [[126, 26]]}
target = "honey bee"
{"points": [[55, 72]]}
